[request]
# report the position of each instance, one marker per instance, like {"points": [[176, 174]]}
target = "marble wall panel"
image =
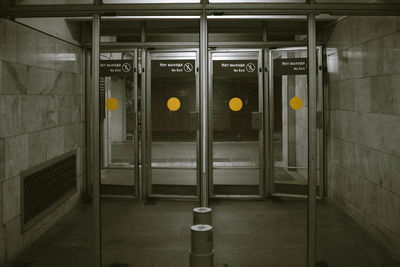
{"points": [[395, 175], [1, 74], [391, 53], [10, 115], [2, 245], [396, 92], [27, 46], [10, 41], [334, 95], [69, 84], [347, 155], [362, 89], [373, 27], [368, 198], [31, 113], [355, 60], [40, 78], [49, 115], [339, 36], [11, 198], [379, 168], [2, 38], [37, 148], [42, 81], [72, 136], [379, 132], [68, 108], [17, 154], [333, 66], [14, 78], [373, 58], [382, 94], [346, 92], [343, 65], [13, 237], [55, 145], [363, 144], [398, 24], [333, 179], [334, 150], [2, 159], [67, 57], [47, 52], [388, 210]]}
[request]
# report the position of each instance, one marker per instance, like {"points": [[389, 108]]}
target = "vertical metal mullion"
{"points": [[204, 110], [262, 130], [88, 127], [198, 131], [95, 119], [143, 113], [136, 131], [143, 109], [321, 147], [266, 129], [267, 150], [312, 141], [147, 68]]}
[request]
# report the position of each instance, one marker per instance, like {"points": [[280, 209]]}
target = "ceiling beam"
{"points": [[196, 9]]}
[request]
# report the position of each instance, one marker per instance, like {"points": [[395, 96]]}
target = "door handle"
{"points": [[256, 120], [193, 120]]}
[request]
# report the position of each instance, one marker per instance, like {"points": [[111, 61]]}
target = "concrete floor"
{"points": [[246, 234]]}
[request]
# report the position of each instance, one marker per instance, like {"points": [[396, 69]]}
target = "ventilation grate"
{"points": [[46, 186]]}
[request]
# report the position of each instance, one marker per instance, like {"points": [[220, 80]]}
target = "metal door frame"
{"points": [[232, 54], [167, 54], [320, 102], [136, 132]]}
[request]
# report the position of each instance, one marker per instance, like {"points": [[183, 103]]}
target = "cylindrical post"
{"points": [[202, 252], [202, 215]]}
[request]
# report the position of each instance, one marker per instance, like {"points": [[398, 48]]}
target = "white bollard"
{"points": [[202, 215], [202, 252]]}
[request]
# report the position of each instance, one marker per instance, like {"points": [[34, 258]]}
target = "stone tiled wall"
{"points": [[364, 130], [41, 100]]}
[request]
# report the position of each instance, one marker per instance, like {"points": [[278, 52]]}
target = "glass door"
{"points": [[172, 124], [118, 123], [236, 130], [289, 121]]}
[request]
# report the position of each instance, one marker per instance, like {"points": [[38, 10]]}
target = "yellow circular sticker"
{"points": [[235, 104], [112, 104], [173, 104], [296, 103]]}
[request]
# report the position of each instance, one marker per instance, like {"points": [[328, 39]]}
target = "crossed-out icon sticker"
{"points": [[188, 67]]}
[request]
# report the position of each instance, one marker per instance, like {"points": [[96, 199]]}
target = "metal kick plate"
{"points": [[193, 120], [256, 120]]}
